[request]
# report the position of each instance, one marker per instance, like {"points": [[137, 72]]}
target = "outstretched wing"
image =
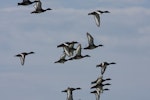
{"points": [[22, 59], [38, 5], [78, 50], [63, 56], [90, 39], [67, 50], [97, 96], [97, 19]]}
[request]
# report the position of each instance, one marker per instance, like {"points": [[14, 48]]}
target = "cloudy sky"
{"points": [[125, 34]]}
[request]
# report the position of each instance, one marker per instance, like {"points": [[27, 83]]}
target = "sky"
{"points": [[125, 34]]}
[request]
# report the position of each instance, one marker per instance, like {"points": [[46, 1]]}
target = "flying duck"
{"points": [[91, 44], [22, 56], [96, 15], [100, 80], [68, 47], [62, 59], [38, 7], [26, 2], [70, 92], [100, 85], [104, 65], [78, 54], [70, 44], [98, 92]]}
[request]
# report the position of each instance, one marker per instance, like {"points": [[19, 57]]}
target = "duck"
{"points": [[26, 2], [69, 91], [91, 44], [104, 65], [62, 59], [98, 92], [78, 54], [100, 85], [22, 56], [70, 44], [96, 15], [71, 47], [38, 7], [68, 47], [100, 80]]}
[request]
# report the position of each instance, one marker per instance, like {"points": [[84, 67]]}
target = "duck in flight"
{"points": [[22, 56], [104, 65], [91, 44], [98, 92], [100, 85], [26, 2], [38, 7], [96, 15], [100, 80], [70, 44], [69, 91], [68, 47], [78, 54]]}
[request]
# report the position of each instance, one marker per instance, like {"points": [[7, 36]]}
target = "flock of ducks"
{"points": [[74, 53], [98, 84], [37, 6], [68, 49]]}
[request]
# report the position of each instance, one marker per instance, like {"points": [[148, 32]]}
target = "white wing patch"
{"points": [[22, 59], [97, 19], [90, 39], [78, 50]]}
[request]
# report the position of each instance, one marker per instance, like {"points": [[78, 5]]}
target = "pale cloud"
{"points": [[125, 1], [14, 9], [144, 30]]}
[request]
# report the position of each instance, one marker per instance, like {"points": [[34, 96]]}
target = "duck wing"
{"points": [[97, 19], [90, 39], [63, 56], [97, 96], [22, 59], [78, 50], [103, 70], [38, 5], [67, 51]]}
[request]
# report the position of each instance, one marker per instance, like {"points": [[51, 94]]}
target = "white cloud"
{"points": [[144, 30], [124, 1]]}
